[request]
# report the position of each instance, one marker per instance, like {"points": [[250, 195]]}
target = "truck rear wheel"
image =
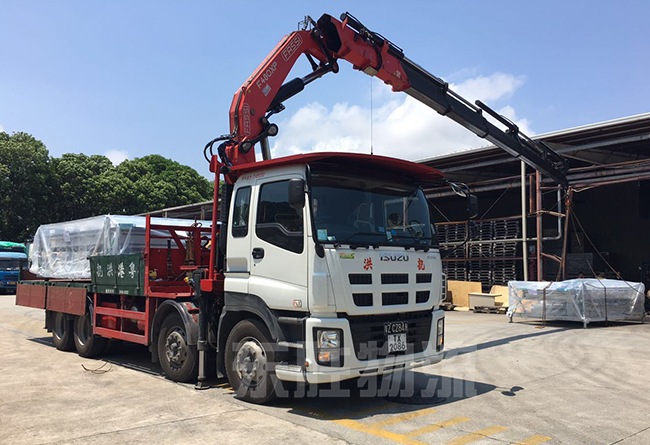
{"points": [[178, 359], [250, 362], [62, 336], [88, 345]]}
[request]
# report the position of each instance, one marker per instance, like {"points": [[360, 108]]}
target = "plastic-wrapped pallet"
{"points": [[584, 300], [61, 250]]}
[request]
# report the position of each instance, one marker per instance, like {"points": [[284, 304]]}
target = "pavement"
{"points": [[501, 383]]}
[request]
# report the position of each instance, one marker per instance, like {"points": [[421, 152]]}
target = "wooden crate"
{"points": [[460, 291]]}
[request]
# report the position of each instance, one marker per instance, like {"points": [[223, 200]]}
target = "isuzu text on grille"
{"points": [[393, 257]]}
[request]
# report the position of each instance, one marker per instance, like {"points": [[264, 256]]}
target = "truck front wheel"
{"points": [[178, 359], [62, 336], [88, 345], [250, 361]]}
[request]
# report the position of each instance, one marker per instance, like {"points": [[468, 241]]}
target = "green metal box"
{"points": [[118, 274]]}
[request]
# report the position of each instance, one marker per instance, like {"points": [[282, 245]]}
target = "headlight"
{"points": [[440, 337], [328, 339], [328, 347]]}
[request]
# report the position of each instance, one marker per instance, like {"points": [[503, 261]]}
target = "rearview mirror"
{"points": [[472, 206], [297, 193]]}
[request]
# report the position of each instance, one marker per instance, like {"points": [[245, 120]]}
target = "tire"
{"points": [[87, 344], [179, 361], [62, 335], [250, 362]]}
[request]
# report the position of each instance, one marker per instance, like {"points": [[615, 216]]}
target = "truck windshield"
{"points": [[9, 264], [369, 211]]}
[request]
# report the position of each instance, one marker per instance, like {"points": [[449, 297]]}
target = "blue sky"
{"points": [[131, 78]]}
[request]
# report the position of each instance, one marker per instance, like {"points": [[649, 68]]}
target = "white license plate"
{"points": [[396, 342], [396, 336]]}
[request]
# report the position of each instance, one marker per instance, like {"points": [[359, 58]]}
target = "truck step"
{"points": [[288, 367], [290, 344], [290, 320]]}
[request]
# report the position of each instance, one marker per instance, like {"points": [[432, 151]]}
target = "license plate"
{"points": [[11, 283], [396, 336]]}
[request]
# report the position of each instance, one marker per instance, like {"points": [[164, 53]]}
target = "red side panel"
{"points": [[69, 300], [31, 296]]}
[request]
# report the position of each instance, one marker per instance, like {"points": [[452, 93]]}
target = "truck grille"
{"points": [[360, 278], [362, 299], [368, 335], [423, 278], [422, 296], [392, 298], [394, 278]]}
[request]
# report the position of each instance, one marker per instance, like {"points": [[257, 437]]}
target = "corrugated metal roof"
{"points": [[581, 134]]}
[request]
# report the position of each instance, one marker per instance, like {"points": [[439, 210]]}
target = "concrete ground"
{"points": [[519, 383]]}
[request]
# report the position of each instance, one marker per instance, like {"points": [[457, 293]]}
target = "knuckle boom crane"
{"points": [[324, 43]]}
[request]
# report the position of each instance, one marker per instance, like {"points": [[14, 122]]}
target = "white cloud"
{"points": [[402, 126], [117, 156], [2, 128], [491, 88]]}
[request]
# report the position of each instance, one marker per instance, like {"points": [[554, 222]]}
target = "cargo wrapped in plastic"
{"points": [[584, 300], [61, 250]]}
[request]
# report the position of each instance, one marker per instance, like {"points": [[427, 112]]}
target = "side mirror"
{"points": [[297, 193], [472, 206]]}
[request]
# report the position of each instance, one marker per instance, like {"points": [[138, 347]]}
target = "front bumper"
{"points": [[353, 367], [8, 284]]}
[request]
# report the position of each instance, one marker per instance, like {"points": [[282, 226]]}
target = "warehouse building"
{"points": [[600, 225]]}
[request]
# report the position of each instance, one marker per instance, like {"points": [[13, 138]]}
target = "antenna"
{"points": [[371, 109]]}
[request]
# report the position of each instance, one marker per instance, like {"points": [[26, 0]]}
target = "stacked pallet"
{"points": [[491, 262]]}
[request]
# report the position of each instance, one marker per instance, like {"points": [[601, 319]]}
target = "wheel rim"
{"points": [[176, 348], [250, 362], [59, 326], [85, 331]]}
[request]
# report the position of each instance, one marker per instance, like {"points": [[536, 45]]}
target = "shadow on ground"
{"points": [[402, 392], [128, 355]]}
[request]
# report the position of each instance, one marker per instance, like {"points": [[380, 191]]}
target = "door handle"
{"points": [[258, 253]]}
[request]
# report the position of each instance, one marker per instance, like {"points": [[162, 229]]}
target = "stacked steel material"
{"points": [[490, 262]]}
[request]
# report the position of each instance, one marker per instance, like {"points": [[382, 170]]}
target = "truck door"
{"points": [[278, 271], [238, 264]]}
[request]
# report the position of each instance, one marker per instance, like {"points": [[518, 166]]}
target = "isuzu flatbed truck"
{"points": [[316, 268]]}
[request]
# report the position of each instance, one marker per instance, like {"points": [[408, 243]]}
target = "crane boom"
{"points": [[324, 43]]}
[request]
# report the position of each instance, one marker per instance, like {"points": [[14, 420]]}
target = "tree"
{"points": [[77, 178], [151, 183], [26, 184], [36, 189]]}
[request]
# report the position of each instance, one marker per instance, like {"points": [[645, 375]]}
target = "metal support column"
{"points": [[567, 212], [538, 190], [523, 220]]}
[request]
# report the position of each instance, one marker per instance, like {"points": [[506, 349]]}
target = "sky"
{"points": [[130, 78]]}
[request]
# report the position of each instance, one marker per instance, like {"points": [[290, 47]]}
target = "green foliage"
{"points": [[26, 186], [79, 194], [37, 189]]}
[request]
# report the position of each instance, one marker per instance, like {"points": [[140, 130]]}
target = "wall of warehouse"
{"points": [[616, 219]]}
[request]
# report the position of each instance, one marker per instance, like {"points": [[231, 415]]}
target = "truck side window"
{"points": [[240, 212], [277, 222]]}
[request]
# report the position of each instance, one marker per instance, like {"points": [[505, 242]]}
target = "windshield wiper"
{"points": [[347, 239], [415, 240]]}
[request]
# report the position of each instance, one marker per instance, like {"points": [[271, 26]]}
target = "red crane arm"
{"points": [[327, 41], [255, 97]]}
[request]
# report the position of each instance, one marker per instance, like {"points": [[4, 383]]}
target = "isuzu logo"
{"points": [[393, 257]]}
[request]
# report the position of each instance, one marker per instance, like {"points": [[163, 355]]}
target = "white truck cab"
{"points": [[346, 277]]}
